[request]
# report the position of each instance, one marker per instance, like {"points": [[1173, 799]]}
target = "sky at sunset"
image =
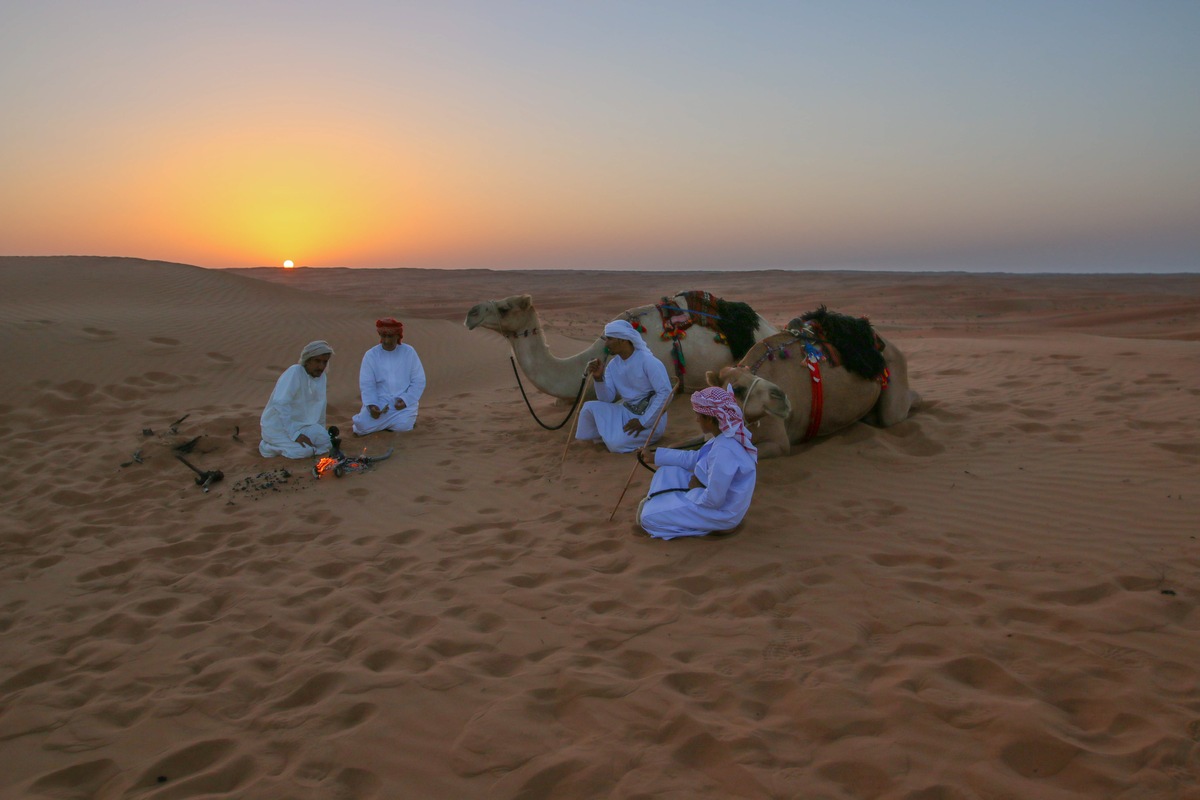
{"points": [[1024, 135]]}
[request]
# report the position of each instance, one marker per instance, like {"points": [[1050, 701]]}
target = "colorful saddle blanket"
{"points": [[689, 308]]}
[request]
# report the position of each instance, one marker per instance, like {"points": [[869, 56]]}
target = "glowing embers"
{"points": [[328, 466], [341, 464]]}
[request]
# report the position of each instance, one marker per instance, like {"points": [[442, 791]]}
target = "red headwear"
{"points": [[389, 325], [720, 403]]}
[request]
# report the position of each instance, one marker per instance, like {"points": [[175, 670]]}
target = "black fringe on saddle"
{"points": [[854, 338], [738, 323]]}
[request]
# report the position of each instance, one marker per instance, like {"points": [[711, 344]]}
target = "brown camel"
{"points": [[517, 320], [774, 383]]}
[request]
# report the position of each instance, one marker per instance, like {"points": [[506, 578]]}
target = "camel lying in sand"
{"points": [[516, 319], [774, 382]]}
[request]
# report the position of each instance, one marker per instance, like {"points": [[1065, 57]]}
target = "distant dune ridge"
{"points": [[996, 598]]}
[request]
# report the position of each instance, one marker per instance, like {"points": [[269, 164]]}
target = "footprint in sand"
{"points": [[164, 340], [1039, 756], [188, 762], [787, 648], [909, 439], [1179, 448], [221, 357], [78, 780]]}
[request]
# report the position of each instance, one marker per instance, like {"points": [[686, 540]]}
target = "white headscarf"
{"points": [[313, 349], [621, 329]]}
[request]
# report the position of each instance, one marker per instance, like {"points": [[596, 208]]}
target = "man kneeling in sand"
{"points": [[695, 493], [293, 423], [631, 389], [391, 382]]}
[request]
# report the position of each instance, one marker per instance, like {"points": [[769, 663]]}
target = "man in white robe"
{"points": [[631, 389], [293, 423], [695, 493], [391, 381]]}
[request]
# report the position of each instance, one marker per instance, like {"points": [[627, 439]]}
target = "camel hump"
{"points": [[735, 322], [738, 322], [857, 346]]}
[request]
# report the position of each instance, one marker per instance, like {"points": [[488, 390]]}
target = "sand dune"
{"points": [[996, 598]]}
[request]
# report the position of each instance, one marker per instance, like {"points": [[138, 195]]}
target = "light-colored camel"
{"points": [[777, 396], [516, 319]]}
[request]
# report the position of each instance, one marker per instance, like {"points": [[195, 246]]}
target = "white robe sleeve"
{"points": [[283, 400], [721, 471], [416, 380], [669, 457], [367, 381], [657, 374], [605, 391]]}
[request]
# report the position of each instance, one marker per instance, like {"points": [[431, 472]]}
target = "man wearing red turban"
{"points": [[391, 382]]}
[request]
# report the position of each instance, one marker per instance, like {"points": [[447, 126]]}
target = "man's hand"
{"points": [[634, 427], [595, 368], [376, 411], [399, 405], [304, 440]]}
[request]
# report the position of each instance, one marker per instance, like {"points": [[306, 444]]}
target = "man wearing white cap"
{"points": [[293, 423], [631, 388]]}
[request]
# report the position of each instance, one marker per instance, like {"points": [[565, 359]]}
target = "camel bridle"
{"points": [[814, 373]]}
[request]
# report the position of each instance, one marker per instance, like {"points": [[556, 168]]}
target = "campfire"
{"points": [[327, 466], [340, 464]]}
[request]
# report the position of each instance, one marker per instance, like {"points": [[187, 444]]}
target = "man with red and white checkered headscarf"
{"points": [[722, 405], [698, 492]]}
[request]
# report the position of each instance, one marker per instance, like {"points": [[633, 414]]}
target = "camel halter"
{"points": [[523, 334], [742, 403], [814, 371]]}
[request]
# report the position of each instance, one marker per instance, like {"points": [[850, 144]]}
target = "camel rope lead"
{"points": [[525, 397]]}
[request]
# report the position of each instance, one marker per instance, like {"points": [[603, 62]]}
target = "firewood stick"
{"points": [[629, 480]]}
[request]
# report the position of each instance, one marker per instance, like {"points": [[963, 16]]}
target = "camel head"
{"points": [[757, 396], [508, 316]]}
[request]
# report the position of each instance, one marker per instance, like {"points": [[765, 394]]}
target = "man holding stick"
{"points": [[632, 388], [695, 493]]}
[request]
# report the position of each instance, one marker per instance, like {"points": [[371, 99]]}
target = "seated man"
{"points": [[694, 493], [631, 389], [391, 382], [293, 423]]}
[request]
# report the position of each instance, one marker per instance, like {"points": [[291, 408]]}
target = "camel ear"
{"points": [[777, 403], [712, 378], [524, 301]]}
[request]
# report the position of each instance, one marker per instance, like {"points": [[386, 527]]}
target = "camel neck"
{"points": [[554, 376]]}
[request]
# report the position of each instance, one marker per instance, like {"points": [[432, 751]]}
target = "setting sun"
{"points": [[288, 264]]}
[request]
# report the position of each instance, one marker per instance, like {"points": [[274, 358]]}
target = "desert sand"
{"points": [[997, 598]]}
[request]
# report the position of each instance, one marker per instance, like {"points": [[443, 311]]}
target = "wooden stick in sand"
{"points": [[629, 480], [575, 422]]}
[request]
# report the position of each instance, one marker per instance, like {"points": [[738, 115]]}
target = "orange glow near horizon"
{"points": [[420, 135]]}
